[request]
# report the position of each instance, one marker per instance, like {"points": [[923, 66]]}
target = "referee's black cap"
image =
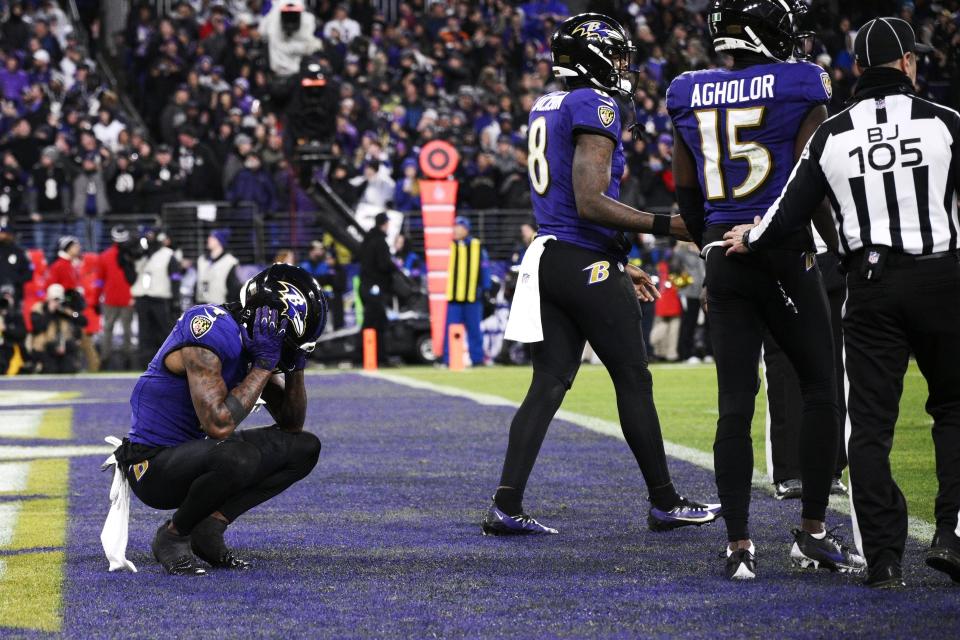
{"points": [[884, 40]]}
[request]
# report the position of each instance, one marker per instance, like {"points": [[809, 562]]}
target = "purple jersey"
{"points": [[741, 126], [162, 409], [555, 119]]}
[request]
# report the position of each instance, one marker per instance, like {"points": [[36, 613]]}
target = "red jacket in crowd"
{"points": [[63, 272], [668, 305], [116, 289]]}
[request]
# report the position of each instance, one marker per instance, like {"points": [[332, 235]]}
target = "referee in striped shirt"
{"points": [[889, 167]]}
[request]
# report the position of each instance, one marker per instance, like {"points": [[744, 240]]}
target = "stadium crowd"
{"points": [[211, 82]]}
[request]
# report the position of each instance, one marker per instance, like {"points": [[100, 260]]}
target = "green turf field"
{"points": [[687, 402]]}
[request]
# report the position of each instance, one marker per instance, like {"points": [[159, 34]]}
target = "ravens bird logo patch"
{"points": [[200, 325], [606, 115], [827, 85]]}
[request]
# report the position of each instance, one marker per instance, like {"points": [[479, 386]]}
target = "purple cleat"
{"points": [[497, 523], [686, 513]]}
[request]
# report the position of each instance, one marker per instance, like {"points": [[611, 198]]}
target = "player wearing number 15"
{"points": [[740, 132], [574, 284]]}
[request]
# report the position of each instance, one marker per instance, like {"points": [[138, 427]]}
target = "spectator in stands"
{"points": [[108, 128], [13, 332], [288, 30], [117, 270], [162, 182], [49, 199], [285, 256], [468, 278], [375, 186], [217, 280], [253, 184], [342, 27], [406, 195], [376, 289], [11, 190], [153, 292], [21, 144], [55, 333], [13, 79], [199, 164], [242, 147], [89, 201], [16, 269], [122, 184], [527, 233], [174, 114]]}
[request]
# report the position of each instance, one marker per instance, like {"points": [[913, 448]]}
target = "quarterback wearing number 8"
{"points": [[574, 285]]}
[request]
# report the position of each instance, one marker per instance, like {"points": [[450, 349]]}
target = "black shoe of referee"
{"points": [[827, 552], [944, 554]]}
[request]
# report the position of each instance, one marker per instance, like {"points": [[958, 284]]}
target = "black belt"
{"points": [[896, 259]]}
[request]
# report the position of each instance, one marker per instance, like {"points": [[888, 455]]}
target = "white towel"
{"points": [[524, 322], [114, 534]]}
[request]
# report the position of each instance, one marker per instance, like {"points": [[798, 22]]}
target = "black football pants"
{"points": [[782, 291], [606, 313], [784, 402], [911, 308], [231, 476]]}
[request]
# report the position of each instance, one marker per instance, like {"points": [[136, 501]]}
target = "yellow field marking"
{"points": [[57, 424], [31, 591], [31, 583]]}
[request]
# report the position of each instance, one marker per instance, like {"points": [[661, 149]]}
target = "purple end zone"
{"points": [[383, 540]]}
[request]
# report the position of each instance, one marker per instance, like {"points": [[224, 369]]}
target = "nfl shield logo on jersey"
{"points": [[606, 115], [200, 325]]}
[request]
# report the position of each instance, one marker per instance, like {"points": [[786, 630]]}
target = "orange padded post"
{"points": [[370, 349], [456, 346]]}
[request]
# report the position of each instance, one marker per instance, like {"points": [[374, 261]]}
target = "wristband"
{"points": [[745, 239], [661, 225]]}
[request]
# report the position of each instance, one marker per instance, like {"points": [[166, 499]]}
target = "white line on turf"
{"points": [[9, 512], [917, 528], [13, 476], [30, 453]]}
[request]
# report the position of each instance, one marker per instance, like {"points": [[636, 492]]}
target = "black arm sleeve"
{"points": [[803, 193]]}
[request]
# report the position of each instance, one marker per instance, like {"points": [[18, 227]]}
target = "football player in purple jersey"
{"points": [[184, 451], [740, 131], [574, 284]]}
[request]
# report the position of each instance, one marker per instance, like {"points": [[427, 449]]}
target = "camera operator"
{"points": [[12, 330], [57, 323], [288, 29]]}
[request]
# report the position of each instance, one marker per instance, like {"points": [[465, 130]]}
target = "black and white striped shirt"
{"points": [[890, 168]]}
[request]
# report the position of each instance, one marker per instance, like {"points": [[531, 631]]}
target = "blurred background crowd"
{"points": [[117, 119]]}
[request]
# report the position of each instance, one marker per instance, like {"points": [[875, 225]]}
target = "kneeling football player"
{"points": [[184, 450]]}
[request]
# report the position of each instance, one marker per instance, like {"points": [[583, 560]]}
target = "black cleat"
{"points": [[944, 554], [885, 574], [741, 564], [173, 553], [828, 552], [207, 543], [788, 489]]}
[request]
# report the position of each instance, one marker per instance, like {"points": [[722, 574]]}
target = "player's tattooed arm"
{"points": [[592, 165], [286, 399], [220, 411]]}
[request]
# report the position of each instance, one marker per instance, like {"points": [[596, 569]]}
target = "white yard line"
{"points": [[917, 528], [69, 451], [9, 513], [20, 423], [14, 476]]}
